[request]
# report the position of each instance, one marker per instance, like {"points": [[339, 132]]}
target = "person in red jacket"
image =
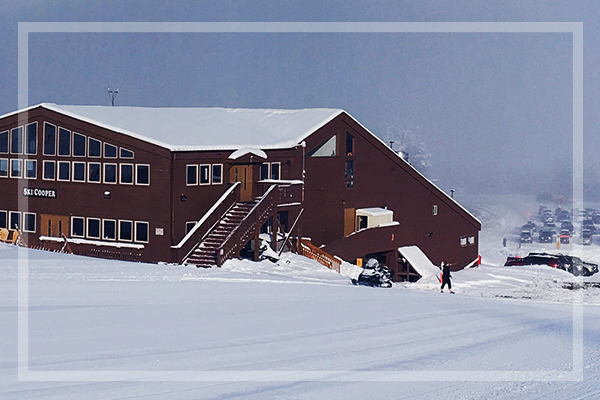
{"points": [[446, 277]]}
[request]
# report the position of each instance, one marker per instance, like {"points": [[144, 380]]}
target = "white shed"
{"points": [[373, 217]]}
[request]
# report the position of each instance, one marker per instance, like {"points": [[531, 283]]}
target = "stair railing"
{"points": [[257, 216], [206, 224]]}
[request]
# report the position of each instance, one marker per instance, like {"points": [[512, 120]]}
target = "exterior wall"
{"points": [[143, 203], [382, 179]]}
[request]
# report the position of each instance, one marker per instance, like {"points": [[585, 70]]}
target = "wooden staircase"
{"points": [[205, 254]]}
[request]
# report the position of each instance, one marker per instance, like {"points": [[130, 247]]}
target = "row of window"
{"points": [[18, 220], [110, 229], [467, 240], [270, 171], [78, 171], [57, 141], [204, 174]]}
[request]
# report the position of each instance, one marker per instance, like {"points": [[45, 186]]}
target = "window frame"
{"points": [[20, 162], [7, 168], [187, 175], [58, 150], [35, 139], [315, 150], [29, 214], [212, 177], [122, 150], [83, 226], [267, 167], [87, 228], [78, 163], [10, 218], [350, 140], [208, 174], [89, 153], [7, 141], [47, 162], [121, 165], [46, 141], [434, 210], [135, 234], [84, 145], [137, 173], [89, 174], [58, 165], [278, 163], [12, 133], [116, 150], [25, 169], [191, 224], [115, 230], [6, 220], [131, 231], [104, 165]]}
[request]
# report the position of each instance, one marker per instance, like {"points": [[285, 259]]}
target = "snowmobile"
{"points": [[375, 275]]}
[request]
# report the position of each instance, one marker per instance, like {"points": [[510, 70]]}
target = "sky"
{"points": [[494, 110]]}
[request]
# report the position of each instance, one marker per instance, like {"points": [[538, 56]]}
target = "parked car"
{"points": [[565, 236], [568, 263], [586, 237], [589, 224], [526, 236], [567, 225], [534, 259], [576, 265], [546, 235], [531, 226]]}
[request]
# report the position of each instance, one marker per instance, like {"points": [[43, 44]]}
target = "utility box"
{"points": [[373, 217]]}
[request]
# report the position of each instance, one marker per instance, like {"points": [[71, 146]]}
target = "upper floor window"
{"points": [[31, 139], [64, 142], [191, 175], [16, 140], [110, 151], [217, 174], [31, 169], [276, 170], [110, 173], [3, 167], [94, 147], [16, 168], [126, 153], [205, 174], [78, 145], [142, 174], [4, 142], [49, 139], [349, 144], [327, 149], [126, 174], [349, 174]]}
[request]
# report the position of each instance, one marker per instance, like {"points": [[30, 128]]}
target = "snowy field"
{"points": [[99, 329]]}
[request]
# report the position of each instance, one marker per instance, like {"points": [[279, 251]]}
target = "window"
{"points": [[30, 169], [93, 228], [29, 222], [205, 174], [191, 175], [471, 240], [49, 170], [349, 144], [78, 171], [94, 172], [4, 142], [126, 174], [16, 168], [110, 173], [276, 170], [125, 230], [31, 139], [3, 219], [94, 147], [49, 139], [109, 229], [64, 142], [78, 145], [110, 151], [189, 226], [16, 140], [77, 226], [463, 241], [126, 153], [64, 171], [15, 220], [217, 174], [3, 167], [327, 149], [141, 232], [142, 174], [349, 174], [264, 171], [434, 210]]}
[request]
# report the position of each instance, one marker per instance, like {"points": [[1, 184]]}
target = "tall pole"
{"points": [[112, 94]]}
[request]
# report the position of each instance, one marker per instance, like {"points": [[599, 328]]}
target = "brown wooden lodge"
{"points": [[198, 186]]}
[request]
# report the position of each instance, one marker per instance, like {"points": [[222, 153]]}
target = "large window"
{"points": [[141, 232], [49, 170], [110, 173], [93, 228], [217, 174], [3, 167], [109, 229], [49, 139], [126, 153], [31, 139], [191, 175], [94, 172], [349, 144], [64, 171], [4, 142], [64, 142], [3, 219], [126, 174], [264, 171], [78, 171], [78, 145], [110, 151], [16, 140], [142, 174], [327, 149], [30, 169], [125, 231], [205, 174], [77, 226], [349, 174], [29, 222], [94, 147], [16, 168], [15, 220]]}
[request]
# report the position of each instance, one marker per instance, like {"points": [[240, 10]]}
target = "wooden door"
{"points": [[55, 225], [349, 221], [243, 174]]}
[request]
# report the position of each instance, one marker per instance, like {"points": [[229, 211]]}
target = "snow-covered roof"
{"points": [[374, 211], [194, 128]]}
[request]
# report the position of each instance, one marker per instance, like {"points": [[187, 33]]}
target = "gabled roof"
{"points": [[193, 128]]}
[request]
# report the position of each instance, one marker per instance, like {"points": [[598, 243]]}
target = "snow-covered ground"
{"points": [[100, 329]]}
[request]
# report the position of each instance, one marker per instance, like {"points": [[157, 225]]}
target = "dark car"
{"points": [[589, 224], [526, 236], [568, 263], [576, 265], [535, 259], [531, 226], [567, 225], [565, 236], [586, 237], [546, 235]]}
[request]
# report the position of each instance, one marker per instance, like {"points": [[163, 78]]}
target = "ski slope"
{"points": [[101, 329]]}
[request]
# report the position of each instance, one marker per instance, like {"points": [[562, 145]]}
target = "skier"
{"points": [[504, 242], [446, 277]]}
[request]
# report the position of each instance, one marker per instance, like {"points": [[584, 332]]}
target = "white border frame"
{"points": [[73, 235], [187, 174], [121, 165], [119, 230], [271, 170], [136, 175], [25, 141], [10, 171], [58, 142], [10, 140], [104, 165], [103, 151], [10, 213], [84, 180], [135, 231], [90, 139], [58, 164], [44, 162], [7, 218], [122, 149], [85, 141], [209, 173], [7, 168], [87, 228], [212, 174], [100, 171], [7, 142], [25, 162], [44, 139], [116, 231], [575, 28], [24, 225]]}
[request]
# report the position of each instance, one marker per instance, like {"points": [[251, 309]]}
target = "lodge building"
{"points": [[198, 185]]}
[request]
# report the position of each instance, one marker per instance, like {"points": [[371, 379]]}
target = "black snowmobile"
{"points": [[375, 274]]}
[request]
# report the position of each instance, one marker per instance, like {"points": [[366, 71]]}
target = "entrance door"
{"points": [[243, 174], [349, 226], [55, 225]]}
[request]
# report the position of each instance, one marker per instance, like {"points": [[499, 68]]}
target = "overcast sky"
{"points": [[494, 110]]}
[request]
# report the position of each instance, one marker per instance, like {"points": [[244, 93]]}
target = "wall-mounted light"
{"points": [[107, 195], [183, 197], [430, 234]]}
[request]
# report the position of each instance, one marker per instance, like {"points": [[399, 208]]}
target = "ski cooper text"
{"points": [[36, 192]]}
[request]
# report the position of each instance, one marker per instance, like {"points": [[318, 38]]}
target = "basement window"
{"points": [[327, 149]]}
